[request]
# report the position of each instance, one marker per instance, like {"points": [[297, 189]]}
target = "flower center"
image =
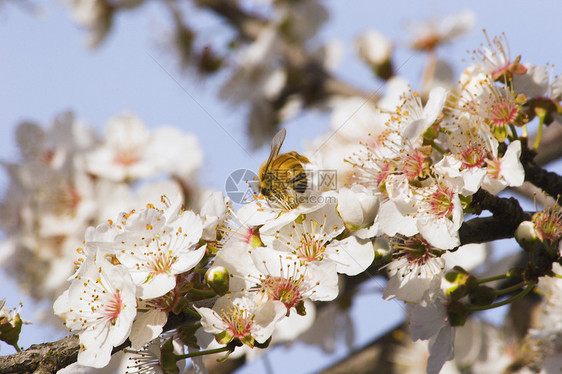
{"points": [[441, 202], [414, 165], [161, 263], [503, 112], [126, 157], [239, 321], [472, 157], [113, 307], [494, 167], [310, 248], [286, 290], [548, 224]]}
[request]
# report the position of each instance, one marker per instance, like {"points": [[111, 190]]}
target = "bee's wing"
{"points": [[276, 144]]}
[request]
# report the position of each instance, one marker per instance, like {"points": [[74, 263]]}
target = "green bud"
{"points": [[460, 270], [471, 283], [457, 291], [464, 283], [382, 249], [218, 278], [10, 330], [452, 276]]}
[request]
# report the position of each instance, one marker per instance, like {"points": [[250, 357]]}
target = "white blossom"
{"points": [[101, 305], [156, 245], [244, 318]]}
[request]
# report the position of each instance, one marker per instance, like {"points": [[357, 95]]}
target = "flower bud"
{"points": [[526, 236], [218, 278], [456, 274], [382, 249], [357, 207], [464, 283], [10, 326]]}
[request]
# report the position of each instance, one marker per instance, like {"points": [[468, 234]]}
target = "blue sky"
{"points": [[45, 69]]}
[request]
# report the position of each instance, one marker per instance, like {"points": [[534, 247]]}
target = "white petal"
{"points": [[435, 103], [323, 281], [256, 213], [534, 83], [147, 326], [512, 170], [266, 317], [441, 233], [357, 206], [235, 257], [96, 357], [289, 328], [426, 319], [441, 349], [159, 285], [415, 129], [353, 255], [187, 259], [392, 221], [211, 321], [409, 290], [61, 305]]}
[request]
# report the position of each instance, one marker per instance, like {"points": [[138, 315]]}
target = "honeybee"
{"points": [[282, 176]]}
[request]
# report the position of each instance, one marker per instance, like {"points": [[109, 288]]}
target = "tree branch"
{"points": [[42, 358], [486, 229], [549, 182]]}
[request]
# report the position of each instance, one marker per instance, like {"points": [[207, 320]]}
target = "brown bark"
{"points": [[45, 358]]}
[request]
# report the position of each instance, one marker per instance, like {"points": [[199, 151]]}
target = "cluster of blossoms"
{"points": [[65, 172], [138, 261], [169, 279], [147, 264], [425, 162], [252, 276]]}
